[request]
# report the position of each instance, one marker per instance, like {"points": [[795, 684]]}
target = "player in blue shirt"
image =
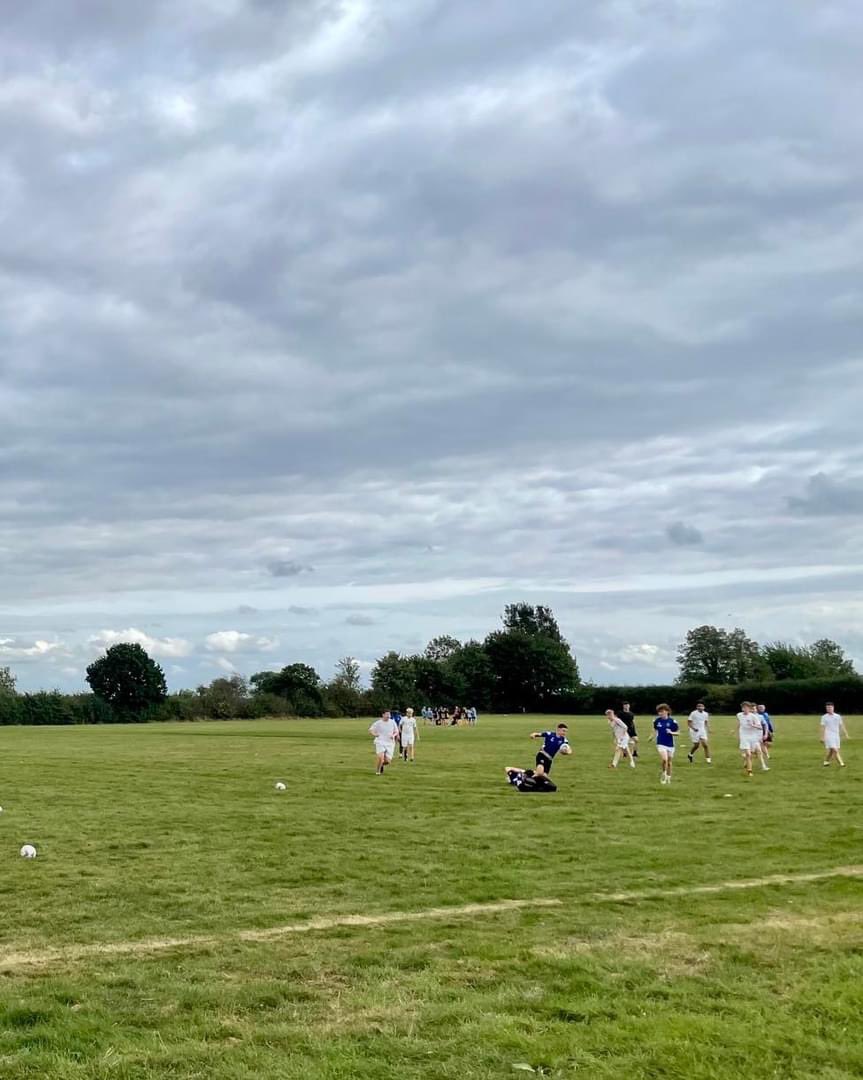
{"points": [[664, 731], [766, 727], [552, 743]]}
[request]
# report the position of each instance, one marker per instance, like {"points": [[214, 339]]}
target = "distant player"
{"points": [[385, 732], [552, 743], [699, 723], [766, 729], [526, 780], [750, 734], [620, 735], [409, 735], [665, 731], [628, 717], [832, 728]]}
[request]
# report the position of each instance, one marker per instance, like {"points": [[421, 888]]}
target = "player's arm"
{"points": [[537, 734], [844, 729]]}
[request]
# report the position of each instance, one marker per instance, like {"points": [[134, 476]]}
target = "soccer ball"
{"points": [[28, 852], [281, 787], [566, 749]]}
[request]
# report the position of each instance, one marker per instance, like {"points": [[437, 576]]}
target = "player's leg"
{"points": [[706, 746]]}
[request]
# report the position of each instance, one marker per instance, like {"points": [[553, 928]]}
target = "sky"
{"points": [[327, 327]]}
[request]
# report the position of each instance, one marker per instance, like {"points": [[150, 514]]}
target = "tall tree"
{"points": [[128, 680], [830, 658], [394, 680], [442, 647], [7, 681], [714, 655], [532, 620], [348, 673], [530, 670], [822, 659], [345, 689], [298, 684]]}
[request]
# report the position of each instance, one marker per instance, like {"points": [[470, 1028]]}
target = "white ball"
{"points": [[566, 749], [281, 787], [28, 852]]}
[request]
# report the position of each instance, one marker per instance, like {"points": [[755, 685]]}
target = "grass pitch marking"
{"points": [[46, 957], [726, 886]]}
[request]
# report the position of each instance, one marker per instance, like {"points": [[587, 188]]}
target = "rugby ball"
{"points": [[280, 786], [28, 852], [566, 749]]}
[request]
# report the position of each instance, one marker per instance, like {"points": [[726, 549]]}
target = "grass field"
{"points": [[185, 920]]}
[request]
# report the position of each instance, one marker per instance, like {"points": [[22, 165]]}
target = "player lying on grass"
{"points": [[832, 728], [665, 731], [384, 731], [553, 742], [620, 733], [527, 780]]}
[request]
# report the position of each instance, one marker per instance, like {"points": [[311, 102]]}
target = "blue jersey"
{"points": [[766, 722], [664, 726], [552, 742]]}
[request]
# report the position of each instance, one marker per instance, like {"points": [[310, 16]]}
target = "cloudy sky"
{"points": [[329, 326]]}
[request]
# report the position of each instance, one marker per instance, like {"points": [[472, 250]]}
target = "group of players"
{"points": [[754, 730]]}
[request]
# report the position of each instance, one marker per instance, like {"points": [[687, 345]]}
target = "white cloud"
{"points": [[11, 649], [231, 641], [157, 647]]}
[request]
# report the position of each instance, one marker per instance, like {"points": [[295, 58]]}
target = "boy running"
{"points": [[621, 739], [750, 735], [665, 731], [628, 717], [766, 728], [409, 735], [699, 721], [385, 732], [832, 727], [552, 743]]}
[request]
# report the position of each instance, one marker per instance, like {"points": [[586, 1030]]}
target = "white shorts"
{"points": [[831, 742], [697, 736], [666, 751], [750, 742], [384, 746], [623, 742], [408, 740]]}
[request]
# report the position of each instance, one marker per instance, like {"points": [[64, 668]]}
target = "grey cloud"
{"points": [[286, 568], [360, 620], [678, 532], [357, 282], [827, 497]]}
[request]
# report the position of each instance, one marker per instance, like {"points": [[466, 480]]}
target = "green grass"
{"points": [[176, 831]]}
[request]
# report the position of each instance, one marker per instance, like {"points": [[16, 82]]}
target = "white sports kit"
{"points": [[751, 732], [698, 725], [621, 735], [409, 730], [831, 724], [385, 732]]}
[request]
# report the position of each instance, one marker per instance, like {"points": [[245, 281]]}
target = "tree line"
{"points": [[526, 665]]}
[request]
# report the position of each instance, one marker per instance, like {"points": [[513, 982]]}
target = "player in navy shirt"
{"points": [[665, 729], [552, 743]]}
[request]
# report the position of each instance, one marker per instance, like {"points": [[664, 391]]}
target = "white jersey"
{"points": [[698, 721], [832, 723], [621, 733], [384, 731], [409, 728], [749, 723]]}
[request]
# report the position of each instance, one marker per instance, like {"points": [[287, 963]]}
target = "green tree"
{"points": [[830, 658], [470, 674], [7, 681], [822, 659], [345, 688], [128, 680], [394, 680], [713, 655], [298, 684], [442, 647], [224, 697], [532, 620], [530, 670]]}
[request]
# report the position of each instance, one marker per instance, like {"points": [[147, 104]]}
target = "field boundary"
{"points": [[48, 956], [659, 893]]}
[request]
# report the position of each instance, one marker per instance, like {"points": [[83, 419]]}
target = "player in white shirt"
{"points": [[750, 735], [409, 735], [620, 732], [385, 732], [699, 722], [832, 727]]}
